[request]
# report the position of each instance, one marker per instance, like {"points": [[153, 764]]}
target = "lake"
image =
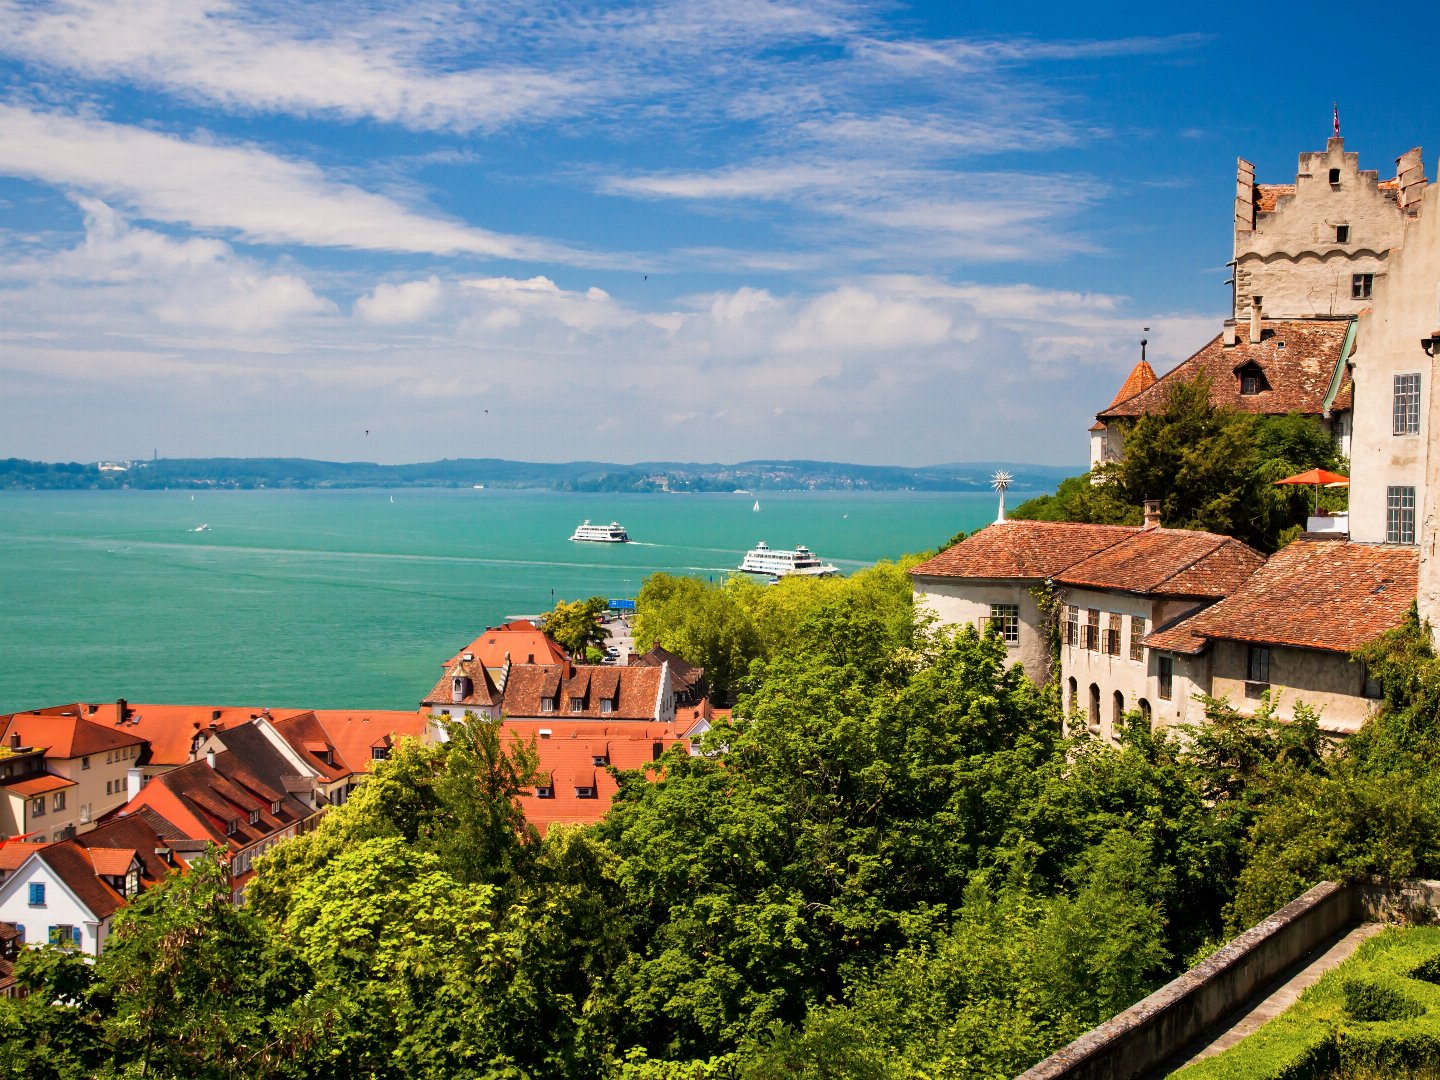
{"points": [[341, 599]]}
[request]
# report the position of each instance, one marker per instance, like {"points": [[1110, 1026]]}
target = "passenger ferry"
{"points": [[614, 533], [777, 564]]}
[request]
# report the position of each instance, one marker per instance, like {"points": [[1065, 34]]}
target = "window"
{"points": [[65, 934], [547, 704], [232, 826], [37, 807], [1342, 234], [57, 802], [1400, 515], [379, 753], [1074, 695], [544, 791], [1117, 712], [1005, 621], [1252, 380], [577, 704], [606, 705], [585, 793], [1072, 625], [1094, 707], [132, 882], [1092, 630], [84, 763], [1407, 404], [1146, 713], [254, 817], [37, 894], [1334, 176], [275, 807], [84, 813], [1137, 634], [1112, 635], [1166, 670], [1361, 286], [1257, 664]]}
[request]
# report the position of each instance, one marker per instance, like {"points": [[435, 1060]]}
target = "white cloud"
{"points": [[235, 188], [254, 58], [403, 303]]}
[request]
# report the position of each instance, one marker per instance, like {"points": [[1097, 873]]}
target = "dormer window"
{"points": [[232, 827], [577, 704], [460, 688], [544, 791], [547, 704], [1252, 380], [585, 793], [254, 817], [275, 807], [607, 705], [599, 760]]}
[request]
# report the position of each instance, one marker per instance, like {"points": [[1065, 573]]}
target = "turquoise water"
{"points": [[346, 599]]}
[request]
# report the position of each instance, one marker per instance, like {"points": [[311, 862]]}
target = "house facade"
{"points": [[82, 776], [994, 579], [1113, 599]]}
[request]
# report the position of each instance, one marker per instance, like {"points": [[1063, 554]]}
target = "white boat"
{"points": [[756, 507], [614, 533], [762, 559], [201, 528]]}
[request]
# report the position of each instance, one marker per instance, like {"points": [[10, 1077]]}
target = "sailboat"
{"points": [[756, 507]]}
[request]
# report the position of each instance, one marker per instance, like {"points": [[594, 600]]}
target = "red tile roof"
{"points": [[111, 862], [1142, 377], [71, 864], [1027, 550], [634, 692], [1167, 562], [480, 688], [307, 737], [1319, 594], [687, 678], [1297, 357], [15, 852], [356, 732], [520, 639], [136, 834], [567, 759], [1176, 636], [65, 735], [169, 729], [36, 784]]}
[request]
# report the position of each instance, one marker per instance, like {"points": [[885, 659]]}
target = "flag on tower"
{"points": [[1337, 120]]}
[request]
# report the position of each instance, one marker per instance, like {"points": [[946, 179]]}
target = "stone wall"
{"points": [[1151, 1032]]}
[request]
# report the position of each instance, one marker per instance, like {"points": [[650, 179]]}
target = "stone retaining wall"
{"points": [[1149, 1033]]}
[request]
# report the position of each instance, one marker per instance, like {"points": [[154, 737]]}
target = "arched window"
{"points": [[1146, 713], [1117, 712], [1094, 706], [1073, 702]]}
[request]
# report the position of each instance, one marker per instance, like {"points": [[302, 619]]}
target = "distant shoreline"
{"points": [[755, 477]]}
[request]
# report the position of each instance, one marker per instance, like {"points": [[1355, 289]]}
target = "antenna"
{"points": [[1143, 343], [1000, 482]]}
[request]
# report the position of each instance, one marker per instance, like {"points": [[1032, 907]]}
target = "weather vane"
{"points": [[1000, 481]]}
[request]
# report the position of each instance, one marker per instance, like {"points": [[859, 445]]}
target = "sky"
{"points": [[702, 230]]}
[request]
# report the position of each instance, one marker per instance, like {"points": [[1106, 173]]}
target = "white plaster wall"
{"points": [[61, 908], [1133, 679], [966, 602], [1328, 682], [1291, 258]]}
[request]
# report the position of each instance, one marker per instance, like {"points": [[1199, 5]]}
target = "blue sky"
{"points": [[708, 230]]}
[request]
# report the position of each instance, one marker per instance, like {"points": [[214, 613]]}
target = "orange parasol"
{"points": [[1316, 477]]}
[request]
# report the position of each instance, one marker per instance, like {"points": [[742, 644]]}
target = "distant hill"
{"points": [[645, 476]]}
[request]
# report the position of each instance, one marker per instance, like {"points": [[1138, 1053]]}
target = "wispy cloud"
{"points": [[235, 188]]}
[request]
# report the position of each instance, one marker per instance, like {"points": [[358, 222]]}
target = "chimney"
{"points": [[210, 757], [1152, 513], [214, 715], [1230, 334], [15, 743], [122, 711], [1254, 321]]}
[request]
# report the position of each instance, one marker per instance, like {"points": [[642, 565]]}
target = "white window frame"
{"points": [[1406, 412]]}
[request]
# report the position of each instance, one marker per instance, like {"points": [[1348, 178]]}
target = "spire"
{"points": [[1337, 119], [1142, 376]]}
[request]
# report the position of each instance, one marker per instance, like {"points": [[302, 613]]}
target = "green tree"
{"points": [[575, 625], [709, 625], [53, 1032], [1079, 498], [189, 984]]}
